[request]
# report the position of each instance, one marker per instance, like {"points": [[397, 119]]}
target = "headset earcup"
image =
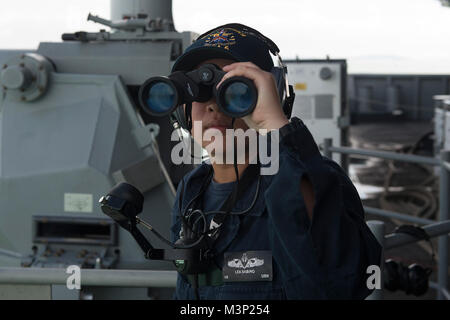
{"points": [[418, 277], [391, 275], [280, 81]]}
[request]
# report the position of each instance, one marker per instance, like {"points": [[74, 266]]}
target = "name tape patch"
{"points": [[247, 266]]}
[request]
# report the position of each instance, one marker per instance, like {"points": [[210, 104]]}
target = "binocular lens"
{"points": [[161, 98], [236, 96], [239, 99]]}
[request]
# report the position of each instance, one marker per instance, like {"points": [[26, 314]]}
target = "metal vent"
{"points": [[324, 106]]}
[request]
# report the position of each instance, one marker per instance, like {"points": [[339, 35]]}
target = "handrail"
{"points": [[395, 215], [400, 239], [90, 277], [388, 155]]}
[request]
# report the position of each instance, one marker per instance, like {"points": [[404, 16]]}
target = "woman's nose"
{"points": [[212, 106]]}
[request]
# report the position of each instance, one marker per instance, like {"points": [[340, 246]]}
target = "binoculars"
{"points": [[235, 97]]}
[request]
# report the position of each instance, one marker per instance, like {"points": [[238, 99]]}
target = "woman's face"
{"points": [[211, 117]]}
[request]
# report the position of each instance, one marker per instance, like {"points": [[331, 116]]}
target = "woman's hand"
{"points": [[268, 113]]}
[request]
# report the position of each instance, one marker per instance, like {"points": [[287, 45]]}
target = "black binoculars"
{"points": [[235, 97]]}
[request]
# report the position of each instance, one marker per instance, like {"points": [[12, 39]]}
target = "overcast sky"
{"points": [[382, 36]]}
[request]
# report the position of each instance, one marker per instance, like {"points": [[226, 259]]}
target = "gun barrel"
{"points": [[99, 20]]}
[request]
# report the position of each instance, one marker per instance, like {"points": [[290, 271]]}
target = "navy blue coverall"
{"points": [[326, 258]]}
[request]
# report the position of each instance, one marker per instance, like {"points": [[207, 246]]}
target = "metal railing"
{"points": [[440, 228], [90, 277]]}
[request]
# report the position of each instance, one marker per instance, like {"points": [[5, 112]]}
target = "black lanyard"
{"points": [[240, 188], [243, 184]]}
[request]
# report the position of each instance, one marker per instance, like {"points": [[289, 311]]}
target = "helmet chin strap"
{"points": [[235, 153], [188, 116]]}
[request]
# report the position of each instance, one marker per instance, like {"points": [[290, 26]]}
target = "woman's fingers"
{"points": [[245, 69], [237, 64]]}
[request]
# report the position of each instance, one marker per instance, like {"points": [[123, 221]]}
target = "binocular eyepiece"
{"points": [[236, 96]]}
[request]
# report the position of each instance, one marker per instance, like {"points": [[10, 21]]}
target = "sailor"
{"points": [[298, 233]]}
